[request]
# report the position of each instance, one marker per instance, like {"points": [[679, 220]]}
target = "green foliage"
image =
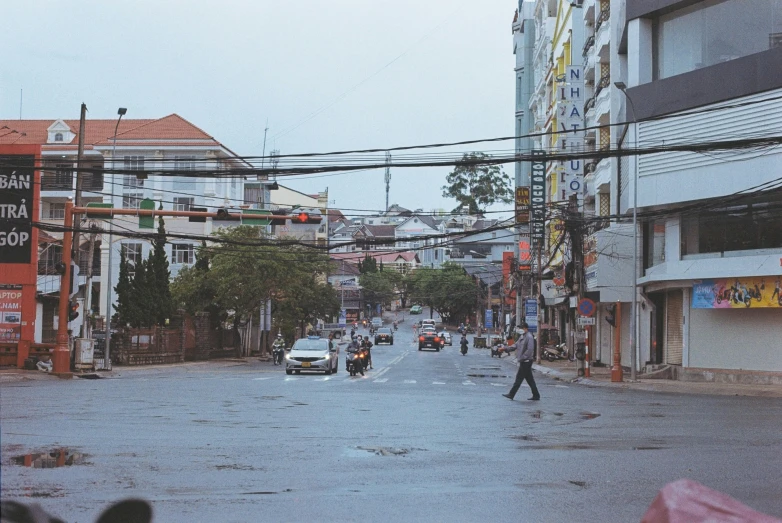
{"points": [[123, 308], [476, 186], [158, 278], [368, 265], [142, 314], [448, 290], [378, 288]]}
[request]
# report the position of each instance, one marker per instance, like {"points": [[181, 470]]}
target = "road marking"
{"points": [[499, 384], [325, 378], [561, 386], [409, 381], [382, 371], [258, 379], [438, 383], [381, 380], [468, 382]]}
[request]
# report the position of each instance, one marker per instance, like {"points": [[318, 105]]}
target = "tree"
{"points": [[369, 264], [124, 312], [194, 288], [378, 288], [142, 313], [448, 291], [476, 185], [158, 278]]}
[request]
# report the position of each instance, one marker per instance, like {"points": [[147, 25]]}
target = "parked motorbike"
{"points": [[354, 361], [555, 352]]}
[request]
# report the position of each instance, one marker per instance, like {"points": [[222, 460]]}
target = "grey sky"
{"points": [[228, 65]]}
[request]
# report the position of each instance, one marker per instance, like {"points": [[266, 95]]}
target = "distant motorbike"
{"points": [[464, 344], [354, 361], [395, 326], [277, 354], [469, 330]]}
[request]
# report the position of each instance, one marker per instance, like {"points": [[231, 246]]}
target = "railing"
{"points": [[604, 82], [588, 45], [605, 14], [589, 104]]}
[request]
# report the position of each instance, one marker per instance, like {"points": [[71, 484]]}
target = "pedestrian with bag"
{"points": [[525, 353]]}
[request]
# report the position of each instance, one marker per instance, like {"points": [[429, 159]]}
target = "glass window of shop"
{"points": [[741, 228], [713, 32]]}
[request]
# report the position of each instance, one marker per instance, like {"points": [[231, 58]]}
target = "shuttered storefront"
{"points": [[674, 332]]}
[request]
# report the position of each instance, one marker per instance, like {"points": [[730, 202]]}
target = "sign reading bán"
{"points": [[16, 208]]}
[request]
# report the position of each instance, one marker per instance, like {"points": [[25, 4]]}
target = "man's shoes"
{"points": [[533, 398], [508, 396]]}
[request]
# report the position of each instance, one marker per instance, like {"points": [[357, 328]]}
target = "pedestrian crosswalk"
{"points": [[376, 379]]}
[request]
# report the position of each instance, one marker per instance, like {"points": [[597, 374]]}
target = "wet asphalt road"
{"points": [[425, 436]]}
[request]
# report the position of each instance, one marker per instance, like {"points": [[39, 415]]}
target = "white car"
{"points": [[445, 335], [312, 353]]}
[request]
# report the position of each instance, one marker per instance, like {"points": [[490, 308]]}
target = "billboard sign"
{"points": [[738, 293], [522, 206], [17, 193], [531, 314], [538, 198], [10, 313]]}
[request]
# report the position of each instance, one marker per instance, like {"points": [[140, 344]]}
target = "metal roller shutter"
{"points": [[674, 342]]}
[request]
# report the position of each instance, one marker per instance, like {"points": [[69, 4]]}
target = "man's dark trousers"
{"points": [[525, 372]]}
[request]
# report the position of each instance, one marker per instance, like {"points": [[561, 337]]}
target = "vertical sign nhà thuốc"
{"points": [[570, 123], [538, 197]]}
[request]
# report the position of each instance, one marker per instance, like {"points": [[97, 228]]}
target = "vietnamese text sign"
{"points": [[738, 293], [10, 313], [17, 193], [538, 198], [488, 321], [522, 205], [531, 314]]}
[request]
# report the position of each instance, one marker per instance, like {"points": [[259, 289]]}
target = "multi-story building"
{"points": [[145, 149], [709, 259]]}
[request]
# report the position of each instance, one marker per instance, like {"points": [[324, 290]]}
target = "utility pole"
{"points": [[388, 176], [78, 200]]}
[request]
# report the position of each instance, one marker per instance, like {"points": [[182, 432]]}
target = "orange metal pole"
{"points": [[61, 357], [616, 368]]}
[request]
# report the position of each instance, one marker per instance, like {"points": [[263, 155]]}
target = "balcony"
{"points": [[588, 45], [589, 9], [602, 106], [602, 175]]}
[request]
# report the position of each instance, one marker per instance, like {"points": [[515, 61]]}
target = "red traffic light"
{"points": [[73, 311], [305, 217]]}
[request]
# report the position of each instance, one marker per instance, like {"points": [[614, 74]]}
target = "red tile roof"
{"points": [[149, 132], [384, 256]]}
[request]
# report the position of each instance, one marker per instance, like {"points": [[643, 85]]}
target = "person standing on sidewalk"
{"points": [[525, 353]]}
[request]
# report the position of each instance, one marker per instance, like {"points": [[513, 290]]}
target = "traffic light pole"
{"points": [[61, 358]]}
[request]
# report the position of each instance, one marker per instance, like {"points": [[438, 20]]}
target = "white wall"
{"points": [[748, 339]]}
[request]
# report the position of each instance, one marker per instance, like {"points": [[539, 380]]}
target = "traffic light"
{"points": [[611, 315], [305, 217], [224, 214], [73, 311]]}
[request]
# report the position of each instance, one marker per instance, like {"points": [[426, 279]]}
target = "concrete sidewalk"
{"points": [[564, 370]]}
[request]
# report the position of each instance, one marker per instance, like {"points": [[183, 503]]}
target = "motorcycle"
{"points": [[555, 352], [469, 330], [396, 326], [354, 363], [277, 354], [464, 343], [499, 350]]}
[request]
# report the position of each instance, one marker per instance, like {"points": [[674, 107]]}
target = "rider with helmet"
{"points": [[278, 348], [368, 346]]}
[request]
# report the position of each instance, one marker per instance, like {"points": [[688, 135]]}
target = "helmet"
{"points": [[279, 335]]}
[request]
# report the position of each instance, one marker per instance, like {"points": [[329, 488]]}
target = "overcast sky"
{"points": [[227, 66]]}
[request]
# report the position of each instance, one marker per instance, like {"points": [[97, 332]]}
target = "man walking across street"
{"points": [[525, 353]]}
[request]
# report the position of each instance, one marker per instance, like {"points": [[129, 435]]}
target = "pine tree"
{"points": [[142, 308], [158, 277], [123, 308]]}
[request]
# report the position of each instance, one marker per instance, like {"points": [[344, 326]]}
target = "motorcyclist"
{"points": [[352, 333], [368, 346], [464, 344], [354, 346], [278, 347], [395, 325]]}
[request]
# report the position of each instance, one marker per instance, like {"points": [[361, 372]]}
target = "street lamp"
{"points": [[634, 310], [107, 353]]}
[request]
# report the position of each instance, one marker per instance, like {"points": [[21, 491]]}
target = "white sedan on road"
{"points": [[446, 336], [312, 353]]}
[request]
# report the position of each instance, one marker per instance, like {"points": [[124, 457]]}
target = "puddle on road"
{"points": [[50, 460], [488, 376], [378, 451]]}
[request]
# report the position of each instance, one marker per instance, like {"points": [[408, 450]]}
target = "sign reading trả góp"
{"points": [[16, 208]]}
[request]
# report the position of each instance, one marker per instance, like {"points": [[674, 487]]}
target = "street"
{"points": [[425, 436]]}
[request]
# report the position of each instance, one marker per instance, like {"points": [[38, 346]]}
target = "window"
{"points": [[183, 204], [655, 243], [134, 163], [63, 176], [713, 32], [132, 200], [55, 211], [740, 228], [182, 253], [58, 137], [184, 163], [253, 196], [132, 253]]}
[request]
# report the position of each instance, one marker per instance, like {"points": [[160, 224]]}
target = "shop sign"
{"points": [[522, 205], [738, 293], [531, 314], [10, 313], [538, 198], [17, 193]]}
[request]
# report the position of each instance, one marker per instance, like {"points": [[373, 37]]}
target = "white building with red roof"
{"points": [[151, 147]]}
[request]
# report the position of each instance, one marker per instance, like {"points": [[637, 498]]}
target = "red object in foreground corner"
{"points": [[687, 501]]}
